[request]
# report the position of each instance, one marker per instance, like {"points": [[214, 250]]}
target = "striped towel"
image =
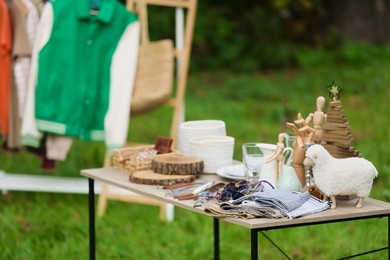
{"points": [[311, 206], [279, 199]]}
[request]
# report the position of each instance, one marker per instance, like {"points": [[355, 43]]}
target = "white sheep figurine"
{"points": [[346, 176]]}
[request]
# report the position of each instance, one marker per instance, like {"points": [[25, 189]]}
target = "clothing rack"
{"points": [[184, 33], [78, 185]]}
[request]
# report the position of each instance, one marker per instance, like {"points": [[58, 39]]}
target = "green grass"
{"points": [[255, 107]]}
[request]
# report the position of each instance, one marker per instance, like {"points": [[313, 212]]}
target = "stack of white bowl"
{"points": [[191, 129], [215, 151]]}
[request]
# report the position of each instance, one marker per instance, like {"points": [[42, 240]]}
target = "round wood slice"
{"points": [[151, 178], [177, 164]]}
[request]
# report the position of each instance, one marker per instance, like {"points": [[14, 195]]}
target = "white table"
{"points": [[345, 209]]}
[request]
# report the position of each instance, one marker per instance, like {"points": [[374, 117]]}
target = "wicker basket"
{"points": [[134, 158]]}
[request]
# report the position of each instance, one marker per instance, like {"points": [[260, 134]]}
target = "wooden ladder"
{"points": [[182, 56]]}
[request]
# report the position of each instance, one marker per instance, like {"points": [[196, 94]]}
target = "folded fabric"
{"points": [[274, 203], [282, 200], [213, 208], [311, 206], [235, 170], [252, 208]]}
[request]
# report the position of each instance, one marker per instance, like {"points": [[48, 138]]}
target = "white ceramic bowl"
{"points": [[215, 151], [191, 129]]}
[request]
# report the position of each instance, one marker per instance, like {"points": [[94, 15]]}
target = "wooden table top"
{"points": [[345, 209]]}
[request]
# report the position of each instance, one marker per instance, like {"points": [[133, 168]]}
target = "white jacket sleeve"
{"points": [[123, 69], [29, 131]]}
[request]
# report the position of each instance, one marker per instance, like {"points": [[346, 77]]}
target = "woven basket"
{"points": [[134, 158]]}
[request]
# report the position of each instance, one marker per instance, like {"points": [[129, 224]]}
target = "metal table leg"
{"points": [[216, 239], [254, 245], [91, 203]]}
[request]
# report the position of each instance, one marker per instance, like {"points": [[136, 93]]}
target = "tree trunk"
{"points": [[363, 20]]}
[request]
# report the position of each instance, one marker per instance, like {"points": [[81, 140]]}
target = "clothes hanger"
{"points": [[94, 6]]}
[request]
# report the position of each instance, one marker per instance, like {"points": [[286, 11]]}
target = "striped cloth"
{"points": [[275, 203], [311, 206], [282, 200]]}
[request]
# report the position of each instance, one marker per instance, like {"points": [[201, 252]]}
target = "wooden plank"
{"points": [[337, 136], [332, 114], [338, 145], [338, 125], [337, 132], [170, 3], [342, 141], [336, 120], [334, 127], [341, 150], [335, 104], [335, 107]]}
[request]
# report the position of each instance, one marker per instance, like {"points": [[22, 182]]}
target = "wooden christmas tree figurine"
{"points": [[337, 137]]}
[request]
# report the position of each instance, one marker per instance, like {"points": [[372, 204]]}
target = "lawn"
{"points": [[255, 107]]}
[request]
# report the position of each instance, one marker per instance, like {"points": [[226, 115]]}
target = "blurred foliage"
{"points": [[252, 35]]}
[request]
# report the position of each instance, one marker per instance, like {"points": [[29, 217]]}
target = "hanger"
{"points": [[94, 6]]}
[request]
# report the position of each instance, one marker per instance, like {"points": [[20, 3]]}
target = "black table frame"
{"points": [[254, 232]]}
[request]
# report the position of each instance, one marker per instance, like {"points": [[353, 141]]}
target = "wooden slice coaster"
{"points": [[177, 164], [151, 178]]}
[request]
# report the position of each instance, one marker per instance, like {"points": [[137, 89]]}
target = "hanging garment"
{"points": [[82, 83], [20, 42], [5, 65], [22, 36], [39, 5], [21, 64], [41, 151], [57, 147], [13, 139], [32, 20]]}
